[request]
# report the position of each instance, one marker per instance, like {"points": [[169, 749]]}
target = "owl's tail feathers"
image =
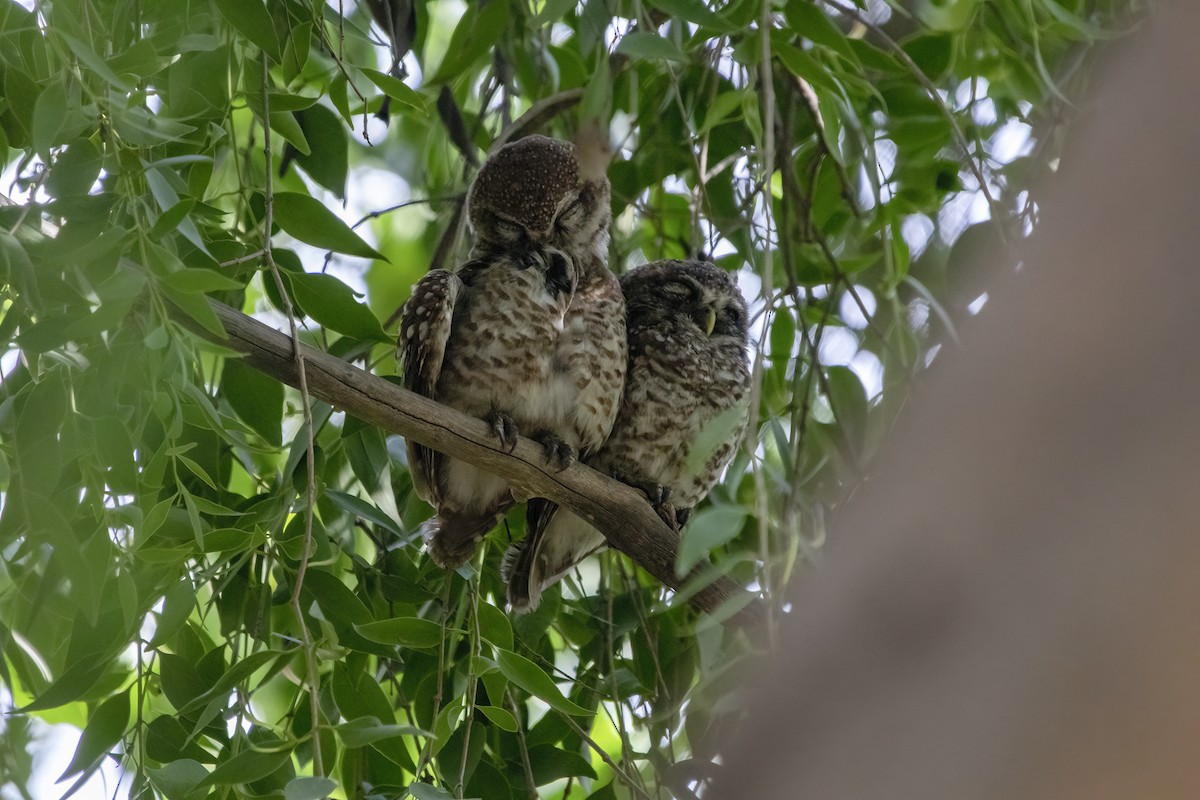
{"points": [[452, 537], [557, 541]]}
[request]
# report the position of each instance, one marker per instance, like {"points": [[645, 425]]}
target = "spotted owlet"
{"points": [[683, 413], [528, 334]]}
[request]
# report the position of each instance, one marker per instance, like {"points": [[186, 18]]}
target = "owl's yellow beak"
{"points": [[710, 322]]}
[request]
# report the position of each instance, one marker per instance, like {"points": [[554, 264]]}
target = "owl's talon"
{"points": [[559, 454], [504, 427]]}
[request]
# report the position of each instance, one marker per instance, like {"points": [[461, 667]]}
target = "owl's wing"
{"points": [[425, 325], [556, 541]]}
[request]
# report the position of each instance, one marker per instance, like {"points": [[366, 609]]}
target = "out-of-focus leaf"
{"points": [[306, 788], [650, 46], [709, 529], [179, 779], [698, 12], [105, 728], [49, 114], [476, 32], [253, 21]]}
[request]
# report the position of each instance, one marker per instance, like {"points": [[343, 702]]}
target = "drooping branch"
{"points": [[617, 510]]}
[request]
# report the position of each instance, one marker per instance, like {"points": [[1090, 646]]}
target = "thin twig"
{"points": [[605, 757], [405, 204], [526, 766], [310, 494]]}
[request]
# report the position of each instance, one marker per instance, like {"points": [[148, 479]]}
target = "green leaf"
{"points": [[95, 63], [284, 123], [308, 220], [494, 626], [201, 280], [179, 779], [252, 20], [550, 763], [75, 170], [709, 529], [368, 730], [423, 791], [241, 670], [531, 678], [499, 717], [404, 631], [650, 46], [247, 766], [104, 729], [716, 432], [932, 53], [360, 507], [335, 598], [698, 12], [478, 29], [328, 163], [306, 788], [256, 398], [49, 114], [178, 603], [397, 90], [332, 303], [552, 11]]}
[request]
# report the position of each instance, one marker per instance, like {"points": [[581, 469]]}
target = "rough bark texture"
{"points": [[619, 511]]}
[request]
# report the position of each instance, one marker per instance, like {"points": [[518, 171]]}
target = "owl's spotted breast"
{"points": [[687, 366]]}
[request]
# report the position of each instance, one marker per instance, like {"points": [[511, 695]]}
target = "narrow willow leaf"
{"points": [[368, 730], [105, 728], [397, 90], [308, 220], [650, 46], [49, 114], [494, 626], [499, 717], [246, 766], [405, 631], [698, 12], [531, 678]]}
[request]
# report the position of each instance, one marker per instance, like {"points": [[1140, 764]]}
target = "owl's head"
{"points": [[535, 192], [693, 299]]}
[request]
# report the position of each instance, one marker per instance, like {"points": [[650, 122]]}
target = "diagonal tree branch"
{"points": [[619, 511]]}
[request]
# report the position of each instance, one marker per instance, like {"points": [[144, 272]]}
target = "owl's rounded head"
{"points": [[531, 193], [696, 299]]}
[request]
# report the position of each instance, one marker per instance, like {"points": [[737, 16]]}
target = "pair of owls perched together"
{"points": [[535, 335]]}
